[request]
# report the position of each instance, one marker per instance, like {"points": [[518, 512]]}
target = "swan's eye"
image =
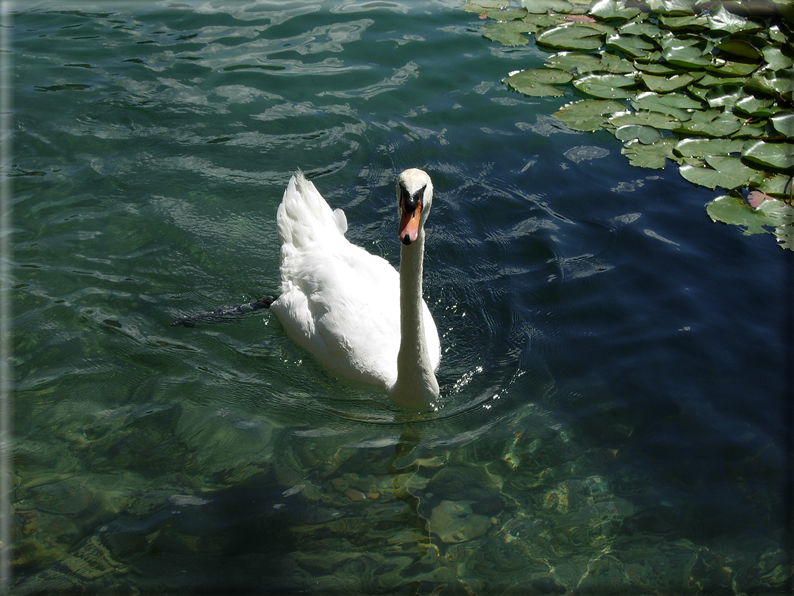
{"points": [[410, 201]]}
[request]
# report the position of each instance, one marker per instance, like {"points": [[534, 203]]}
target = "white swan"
{"points": [[351, 309]]}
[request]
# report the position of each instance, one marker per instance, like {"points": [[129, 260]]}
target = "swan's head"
{"points": [[414, 196]]}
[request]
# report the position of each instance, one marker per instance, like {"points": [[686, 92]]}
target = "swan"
{"points": [[352, 310]]}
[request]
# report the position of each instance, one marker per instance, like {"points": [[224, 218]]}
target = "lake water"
{"points": [[615, 411]]}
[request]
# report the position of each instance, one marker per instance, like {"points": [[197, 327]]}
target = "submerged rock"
{"points": [[455, 522]]}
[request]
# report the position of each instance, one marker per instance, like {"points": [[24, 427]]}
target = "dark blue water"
{"points": [[616, 368]]}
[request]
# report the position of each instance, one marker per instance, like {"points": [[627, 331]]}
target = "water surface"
{"points": [[614, 412]]}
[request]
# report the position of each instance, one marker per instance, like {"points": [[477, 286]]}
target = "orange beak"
{"points": [[409, 225]]}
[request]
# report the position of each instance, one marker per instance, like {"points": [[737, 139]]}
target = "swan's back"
{"points": [[338, 301]]}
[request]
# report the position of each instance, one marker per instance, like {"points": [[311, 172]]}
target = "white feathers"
{"points": [[338, 301]]}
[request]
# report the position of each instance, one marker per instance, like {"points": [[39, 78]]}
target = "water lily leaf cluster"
{"points": [[706, 85]]}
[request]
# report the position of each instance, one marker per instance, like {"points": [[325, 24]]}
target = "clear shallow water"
{"points": [[614, 376]]}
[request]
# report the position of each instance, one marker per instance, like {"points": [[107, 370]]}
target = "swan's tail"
{"points": [[305, 217]]}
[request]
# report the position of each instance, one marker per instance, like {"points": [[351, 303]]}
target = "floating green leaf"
{"points": [[653, 156], [483, 6], [674, 104], [588, 115], [698, 147], [657, 68], [609, 9], [729, 68], [739, 47], [684, 22], [675, 7], [606, 86], [631, 45], [726, 95], [645, 118], [543, 6], [734, 211], [727, 172], [721, 19], [647, 135], [773, 155], [584, 63], [712, 123], [574, 61], [645, 28], [539, 82], [775, 83], [774, 214], [572, 37], [507, 14], [508, 33], [735, 173], [750, 105], [784, 123], [712, 80], [686, 51], [775, 58], [779, 185], [667, 84]]}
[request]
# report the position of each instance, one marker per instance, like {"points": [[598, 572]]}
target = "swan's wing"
{"points": [[343, 307]]}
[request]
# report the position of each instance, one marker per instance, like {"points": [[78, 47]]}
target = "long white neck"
{"points": [[416, 384]]}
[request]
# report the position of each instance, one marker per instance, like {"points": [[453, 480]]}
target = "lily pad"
{"points": [[667, 84], [734, 211], [543, 6], [686, 51], [725, 95], [635, 46], [720, 19], [657, 68], [734, 171], [588, 115], [740, 48], [731, 68], [783, 122], [750, 105], [773, 155], [776, 59], [698, 147], [539, 82], [712, 123], [606, 86], [647, 135], [674, 104], [483, 6], [772, 83], [779, 185], [645, 118], [684, 22], [710, 178], [585, 63], [652, 156], [645, 28], [572, 37], [507, 14], [610, 9], [508, 33], [724, 171]]}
